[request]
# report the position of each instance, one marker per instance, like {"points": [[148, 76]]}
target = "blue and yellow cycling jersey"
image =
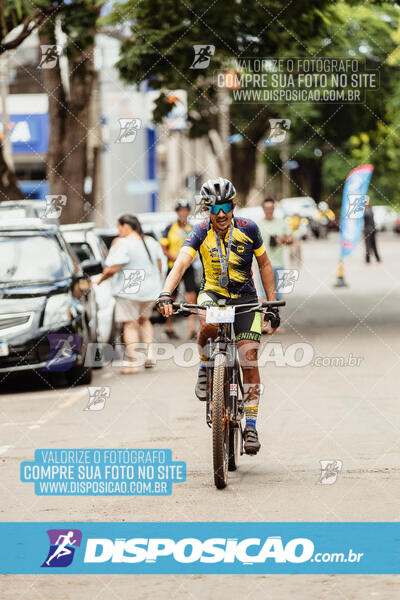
{"points": [[173, 238], [246, 241]]}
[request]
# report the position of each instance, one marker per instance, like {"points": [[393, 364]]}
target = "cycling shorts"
{"points": [[247, 326]]}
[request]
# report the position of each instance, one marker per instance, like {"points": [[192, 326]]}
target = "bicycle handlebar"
{"points": [[259, 305]]}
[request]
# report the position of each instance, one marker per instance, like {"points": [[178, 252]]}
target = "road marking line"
{"points": [[4, 449], [107, 375], [68, 402]]}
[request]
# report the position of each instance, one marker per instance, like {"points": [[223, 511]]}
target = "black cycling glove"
{"points": [[163, 299], [273, 317]]}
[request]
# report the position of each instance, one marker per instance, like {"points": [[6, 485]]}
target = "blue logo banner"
{"points": [[223, 548], [353, 206]]}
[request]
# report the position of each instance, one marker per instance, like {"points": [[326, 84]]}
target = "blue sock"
{"points": [[251, 415]]}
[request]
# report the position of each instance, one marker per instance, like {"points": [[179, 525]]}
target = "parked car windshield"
{"points": [[82, 250], [30, 258]]}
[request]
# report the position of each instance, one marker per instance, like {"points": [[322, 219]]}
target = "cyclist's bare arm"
{"points": [[267, 275], [183, 262]]}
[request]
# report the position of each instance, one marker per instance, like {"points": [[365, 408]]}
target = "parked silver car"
{"points": [[87, 245]]}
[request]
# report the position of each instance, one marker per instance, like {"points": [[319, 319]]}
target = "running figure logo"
{"points": [[50, 54], [63, 350], [356, 206], [132, 280], [279, 129], [330, 469], [63, 543], [202, 55], [285, 280], [54, 205], [201, 212], [128, 129], [98, 397]]}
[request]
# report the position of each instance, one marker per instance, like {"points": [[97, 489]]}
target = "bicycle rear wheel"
{"points": [[220, 423]]}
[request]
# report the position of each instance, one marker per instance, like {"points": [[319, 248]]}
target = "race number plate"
{"points": [[220, 314], [4, 349]]}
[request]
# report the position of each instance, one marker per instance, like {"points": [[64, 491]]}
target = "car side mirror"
{"points": [[91, 267]]}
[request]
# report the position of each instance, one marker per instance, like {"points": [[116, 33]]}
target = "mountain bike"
{"points": [[225, 393]]}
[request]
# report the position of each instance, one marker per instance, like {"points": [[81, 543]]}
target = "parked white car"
{"points": [[385, 217], [87, 245], [21, 209]]}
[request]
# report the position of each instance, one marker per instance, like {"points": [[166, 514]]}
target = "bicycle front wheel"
{"points": [[220, 423]]}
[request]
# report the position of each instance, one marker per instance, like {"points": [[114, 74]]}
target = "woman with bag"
{"points": [[135, 262]]}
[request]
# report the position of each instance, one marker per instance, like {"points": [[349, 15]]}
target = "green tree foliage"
{"points": [[159, 49]]}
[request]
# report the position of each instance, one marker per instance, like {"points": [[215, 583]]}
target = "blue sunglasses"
{"points": [[226, 207]]}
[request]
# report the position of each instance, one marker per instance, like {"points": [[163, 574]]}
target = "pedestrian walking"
{"points": [[370, 234], [134, 262], [295, 247], [172, 242], [276, 234]]}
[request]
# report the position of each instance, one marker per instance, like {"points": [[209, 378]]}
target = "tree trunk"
{"points": [[9, 189], [244, 154], [244, 157], [69, 126], [309, 178]]}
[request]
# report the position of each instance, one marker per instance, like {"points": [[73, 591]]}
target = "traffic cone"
{"points": [[340, 282]]}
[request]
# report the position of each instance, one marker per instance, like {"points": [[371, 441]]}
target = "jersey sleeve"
{"points": [[164, 241], [258, 244], [193, 241]]}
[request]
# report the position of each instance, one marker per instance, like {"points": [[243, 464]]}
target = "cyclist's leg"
{"points": [[207, 331], [248, 356], [248, 335]]}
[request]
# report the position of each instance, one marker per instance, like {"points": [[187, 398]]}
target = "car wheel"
{"points": [[79, 375]]}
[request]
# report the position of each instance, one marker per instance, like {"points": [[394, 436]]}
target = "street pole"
{"points": [[284, 155], [223, 102]]}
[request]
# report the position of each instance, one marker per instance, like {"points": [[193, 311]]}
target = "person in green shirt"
{"points": [[275, 233]]}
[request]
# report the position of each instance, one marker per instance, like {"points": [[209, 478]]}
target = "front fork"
{"points": [[235, 384]]}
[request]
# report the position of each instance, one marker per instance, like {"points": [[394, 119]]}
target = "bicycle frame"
{"points": [[225, 343], [225, 390]]}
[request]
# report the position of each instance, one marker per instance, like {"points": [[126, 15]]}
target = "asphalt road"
{"points": [[307, 414]]}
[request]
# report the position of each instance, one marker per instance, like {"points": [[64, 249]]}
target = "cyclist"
{"points": [[171, 243], [226, 245]]}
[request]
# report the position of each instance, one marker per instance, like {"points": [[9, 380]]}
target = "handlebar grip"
{"points": [[268, 303]]}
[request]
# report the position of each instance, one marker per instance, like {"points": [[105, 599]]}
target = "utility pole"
{"points": [[285, 177], [223, 103]]}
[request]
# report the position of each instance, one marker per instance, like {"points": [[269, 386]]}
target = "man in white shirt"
{"points": [[276, 234]]}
